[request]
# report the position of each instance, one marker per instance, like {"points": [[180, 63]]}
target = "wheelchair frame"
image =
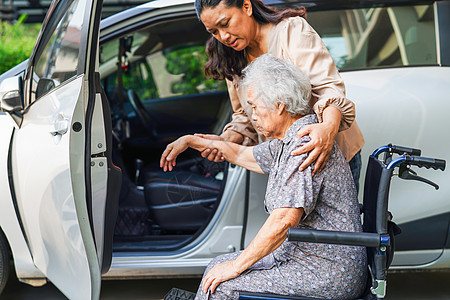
{"points": [[378, 228]]}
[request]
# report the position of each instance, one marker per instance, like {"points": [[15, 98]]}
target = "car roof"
{"points": [[312, 5]]}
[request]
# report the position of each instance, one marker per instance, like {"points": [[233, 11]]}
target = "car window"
{"points": [[380, 36], [164, 62], [56, 60]]}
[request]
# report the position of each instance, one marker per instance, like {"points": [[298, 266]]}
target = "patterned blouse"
{"points": [[329, 200]]}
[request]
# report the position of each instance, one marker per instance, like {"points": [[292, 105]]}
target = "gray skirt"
{"points": [[309, 277]]}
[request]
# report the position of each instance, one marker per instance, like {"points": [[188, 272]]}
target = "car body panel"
{"points": [[9, 221], [420, 96], [16, 71]]}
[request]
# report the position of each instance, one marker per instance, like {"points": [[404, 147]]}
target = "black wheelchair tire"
{"points": [[4, 262]]}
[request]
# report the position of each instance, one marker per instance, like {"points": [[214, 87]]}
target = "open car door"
{"points": [[65, 185]]}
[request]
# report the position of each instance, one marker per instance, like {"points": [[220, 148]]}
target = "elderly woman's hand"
{"points": [[168, 158], [219, 273], [322, 139]]}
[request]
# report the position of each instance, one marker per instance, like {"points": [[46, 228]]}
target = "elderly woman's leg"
{"points": [[344, 279], [256, 280]]}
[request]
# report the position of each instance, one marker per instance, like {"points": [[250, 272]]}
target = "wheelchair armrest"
{"points": [[366, 239]]}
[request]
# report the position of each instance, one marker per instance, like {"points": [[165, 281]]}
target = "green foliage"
{"points": [[143, 84], [16, 42], [185, 62], [189, 61]]}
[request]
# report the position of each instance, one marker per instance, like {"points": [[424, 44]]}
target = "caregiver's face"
{"points": [[232, 26], [264, 115]]}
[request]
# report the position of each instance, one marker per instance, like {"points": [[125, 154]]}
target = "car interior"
{"points": [[157, 90]]}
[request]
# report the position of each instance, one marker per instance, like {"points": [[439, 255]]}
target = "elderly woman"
{"points": [[279, 94]]}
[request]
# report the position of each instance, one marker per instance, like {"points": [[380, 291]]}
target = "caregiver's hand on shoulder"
{"points": [[319, 147], [209, 153], [168, 158], [219, 273]]}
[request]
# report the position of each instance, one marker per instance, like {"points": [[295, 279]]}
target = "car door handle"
{"points": [[61, 127]]}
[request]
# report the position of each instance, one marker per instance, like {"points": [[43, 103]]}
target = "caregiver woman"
{"points": [[243, 30]]}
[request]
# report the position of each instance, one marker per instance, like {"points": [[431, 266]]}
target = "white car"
{"points": [[85, 119]]}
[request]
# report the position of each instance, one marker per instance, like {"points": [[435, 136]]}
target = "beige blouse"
{"points": [[295, 39]]}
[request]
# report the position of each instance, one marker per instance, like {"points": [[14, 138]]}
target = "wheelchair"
{"points": [[378, 228]]}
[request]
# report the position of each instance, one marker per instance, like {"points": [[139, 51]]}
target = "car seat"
{"points": [[181, 200]]}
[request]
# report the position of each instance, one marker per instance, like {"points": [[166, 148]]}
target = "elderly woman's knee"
{"points": [[225, 289]]}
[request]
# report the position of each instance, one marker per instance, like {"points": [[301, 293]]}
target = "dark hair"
{"points": [[225, 62]]}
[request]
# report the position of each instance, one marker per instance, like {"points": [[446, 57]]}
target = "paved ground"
{"points": [[401, 286]]}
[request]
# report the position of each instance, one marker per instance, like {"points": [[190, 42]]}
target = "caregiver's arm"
{"points": [[322, 139], [271, 235], [234, 153]]}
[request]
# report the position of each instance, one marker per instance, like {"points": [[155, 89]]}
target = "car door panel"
{"points": [[42, 180], [52, 156]]}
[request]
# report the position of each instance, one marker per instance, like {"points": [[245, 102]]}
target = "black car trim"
{"points": [[13, 192], [90, 73], [425, 234], [246, 208], [443, 19], [83, 56]]}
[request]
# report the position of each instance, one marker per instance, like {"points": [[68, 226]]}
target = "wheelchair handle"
{"points": [[397, 149], [426, 162], [402, 150], [434, 163]]}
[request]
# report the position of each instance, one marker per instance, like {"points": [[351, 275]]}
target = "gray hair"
{"points": [[279, 81]]}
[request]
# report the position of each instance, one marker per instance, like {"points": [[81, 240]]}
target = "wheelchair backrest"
{"points": [[376, 194]]}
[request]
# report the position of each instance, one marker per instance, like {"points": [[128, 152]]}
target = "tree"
{"points": [[16, 42]]}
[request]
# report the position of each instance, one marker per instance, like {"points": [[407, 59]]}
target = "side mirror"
{"points": [[11, 94], [44, 85]]}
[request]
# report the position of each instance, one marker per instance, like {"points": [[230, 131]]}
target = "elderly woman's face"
{"points": [[232, 26], [266, 116]]}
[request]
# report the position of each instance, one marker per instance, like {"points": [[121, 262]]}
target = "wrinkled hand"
{"points": [[220, 273], [212, 154], [322, 139], [170, 154]]}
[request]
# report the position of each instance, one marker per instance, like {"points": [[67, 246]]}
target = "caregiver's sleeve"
{"points": [[240, 122], [305, 49]]}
